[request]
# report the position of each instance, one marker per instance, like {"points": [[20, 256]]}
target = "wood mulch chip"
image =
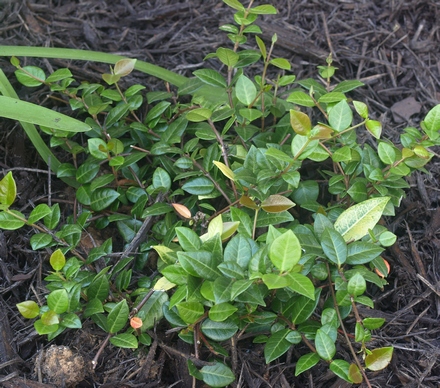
{"points": [[392, 46]]}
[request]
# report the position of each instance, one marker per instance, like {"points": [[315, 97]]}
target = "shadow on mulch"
{"points": [[391, 46]]}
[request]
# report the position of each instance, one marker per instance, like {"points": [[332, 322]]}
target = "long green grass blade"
{"points": [[95, 56]]}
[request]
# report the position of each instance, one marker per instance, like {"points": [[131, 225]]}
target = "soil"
{"points": [[392, 46]]}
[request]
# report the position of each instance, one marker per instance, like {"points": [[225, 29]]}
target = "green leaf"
{"points": [[340, 116], [103, 198], [387, 153], [373, 323], [361, 252], [40, 240], [29, 309], [199, 114], [266, 219], [118, 317], [28, 76], [301, 284], [281, 63], [217, 375], [354, 223], [276, 345], [432, 123], [379, 359], [285, 251], [58, 301], [301, 98], [334, 246], [211, 77], [9, 221], [341, 369], [40, 211], [94, 306], [8, 190], [99, 288], [374, 127], [27, 112], [152, 310], [325, 346], [188, 239], [161, 179], [245, 90], [306, 362], [86, 172], [52, 219], [264, 9], [234, 4], [124, 340], [304, 307], [347, 85], [227, 56], [222, 311], [332, 97], [59, 75], [71, 321], [199, 264], [198, 186], [190, 312], [42, 329], [98, 148], [361, 109], [356, 285], [219, 331], [57, 260]]}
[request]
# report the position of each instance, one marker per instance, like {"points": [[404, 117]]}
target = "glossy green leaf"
{"points": [[334, 246], [190, 312], [264, 9], [8, 190], [52, 219], [361, 252], [199, 264], [98, 148], [118, 317], [99, 288], [198, 115], [301, 98], [285, 251], [102, 198], [356, 285], [94, 306], [301, 284], [86, 172], [161, 179], [432, 123], [71, 321], [361, 109], [29, 309], [281, 63], [245, 90], [373, 323], [198, 186], [227, 56], [58, 301], [306, 362], [40, 211], [188, 239], [354, 223], [234, 4], [276, 345], [379, 359], [387, 153], [220, 312], [124, 340], [324, 345], [374, 127], [347, 85], [42, 329], [340, 116], [219, 331], [40, 240], [341, 369], [211, 77], [11, 220], [304, 307], [217, 375], [332, 97], [152, 310]]}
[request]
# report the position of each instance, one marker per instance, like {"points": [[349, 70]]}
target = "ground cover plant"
{"points": [[250, 243]]}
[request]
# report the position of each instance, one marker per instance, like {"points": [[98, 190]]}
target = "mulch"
{"points": [[392, 46]]}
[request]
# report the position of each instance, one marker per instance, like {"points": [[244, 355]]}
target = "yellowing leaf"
{"points": [[379, 358], [225, 170], [248, 202], [229, 228], [163, 284], [300, 122], [124, 67], [57, 260], [354, 223], [276, 204]]}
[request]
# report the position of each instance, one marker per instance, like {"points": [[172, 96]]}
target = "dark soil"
{"points": [[392, 46]]}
